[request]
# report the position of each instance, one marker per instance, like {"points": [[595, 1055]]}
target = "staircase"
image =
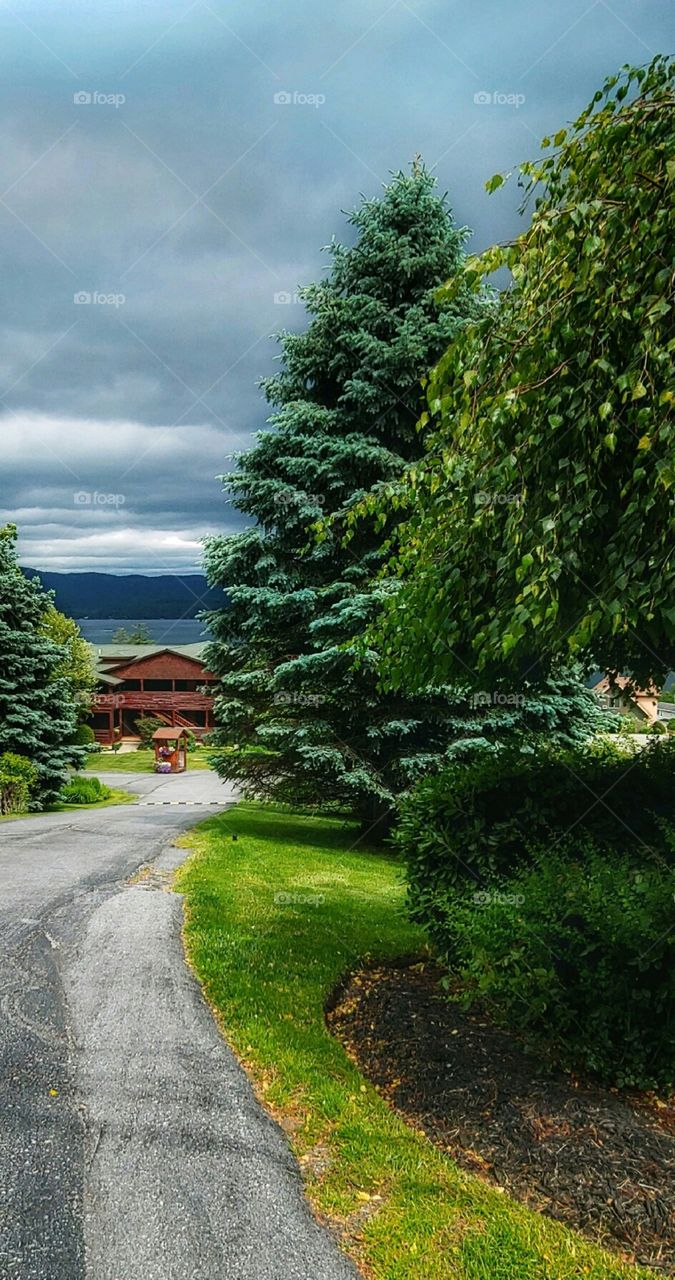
{"points": [[180, 722]]}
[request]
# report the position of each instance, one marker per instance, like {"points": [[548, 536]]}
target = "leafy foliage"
{"points": [[38, 708], [541, 521], [78, 666], [17, 780]]}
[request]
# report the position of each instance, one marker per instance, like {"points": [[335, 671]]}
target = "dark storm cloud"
{"points": [[192, 186]]}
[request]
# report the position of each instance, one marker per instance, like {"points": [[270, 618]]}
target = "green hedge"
{"points": [[85, 735], [577, 955], [547, 881]]}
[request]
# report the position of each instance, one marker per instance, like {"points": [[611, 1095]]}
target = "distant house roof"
{"points": [[109, 657], [130, 652]]}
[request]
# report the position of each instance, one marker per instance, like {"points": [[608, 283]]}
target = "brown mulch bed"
{"points": [[599, 1161]]}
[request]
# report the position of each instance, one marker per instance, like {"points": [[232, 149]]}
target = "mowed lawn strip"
{"points": [[116, 797], [138, 761], [274, 919]]}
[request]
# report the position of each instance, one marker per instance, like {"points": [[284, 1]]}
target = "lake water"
{"points": [[163, 630]]}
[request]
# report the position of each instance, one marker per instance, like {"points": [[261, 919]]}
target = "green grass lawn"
{"points": [[273, 921], [138, 761]]}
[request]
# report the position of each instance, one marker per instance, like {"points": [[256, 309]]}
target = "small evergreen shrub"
{"points": [[577, 954], [85, 736], [85, 791], [658, 728]]}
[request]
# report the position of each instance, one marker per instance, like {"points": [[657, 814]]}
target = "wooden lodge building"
{"points": [[169, 682]]}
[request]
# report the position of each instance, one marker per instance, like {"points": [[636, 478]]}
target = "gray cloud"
{"points": [[183, 189]]}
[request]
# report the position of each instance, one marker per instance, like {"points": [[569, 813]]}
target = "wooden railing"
{"points": [[137, 701]]}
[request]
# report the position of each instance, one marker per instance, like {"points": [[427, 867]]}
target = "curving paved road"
{"points": [[132, 1147]]}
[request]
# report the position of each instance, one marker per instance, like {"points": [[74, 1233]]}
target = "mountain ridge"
{"points": [[129, 596]]}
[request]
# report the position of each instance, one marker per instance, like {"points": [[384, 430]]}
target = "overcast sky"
{"points": [[179, 166]]}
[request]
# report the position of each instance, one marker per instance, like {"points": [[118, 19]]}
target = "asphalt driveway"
{"points": [[132, 1145]]}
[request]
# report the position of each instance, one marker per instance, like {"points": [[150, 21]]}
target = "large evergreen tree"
{"points": [[297, 719], [38, 706]]}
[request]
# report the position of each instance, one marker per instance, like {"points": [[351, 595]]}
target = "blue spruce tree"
{"points": [[297, 720]]}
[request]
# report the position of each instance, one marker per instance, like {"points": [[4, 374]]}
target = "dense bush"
{"points": [[85, 736], [146, 726], [628, 725], [577, 954], [479, 822], [547, 881], [85, 791], [17, 781]]}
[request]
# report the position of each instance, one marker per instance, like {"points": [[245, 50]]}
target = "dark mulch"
{"points": [[597, 1160]]}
